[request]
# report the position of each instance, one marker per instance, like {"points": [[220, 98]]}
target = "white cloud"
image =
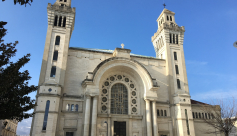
{"points": [[24, 126], [215, 94]]}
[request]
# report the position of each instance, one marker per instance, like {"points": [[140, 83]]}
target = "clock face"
{"points": [[235, 44]]}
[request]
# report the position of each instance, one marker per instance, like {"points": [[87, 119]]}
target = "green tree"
{"points": [[14, 88], [22, 2]]}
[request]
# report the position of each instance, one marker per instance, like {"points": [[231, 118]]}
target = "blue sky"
{"points": [[105, 24]]}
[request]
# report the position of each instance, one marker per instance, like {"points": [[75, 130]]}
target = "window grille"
{"points": [[119, 99]]}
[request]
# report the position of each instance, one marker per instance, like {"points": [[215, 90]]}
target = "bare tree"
{"points": [[221, 114]]}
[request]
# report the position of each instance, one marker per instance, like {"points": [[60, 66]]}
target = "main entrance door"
{"points": [[119, 128]]}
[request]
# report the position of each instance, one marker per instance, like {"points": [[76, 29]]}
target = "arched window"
{"points": [[46, 115], [193, 115], [173, 38], [186, 115], [168, 18], [209, 116], [158, 112], [175, 56], [72, 107], [53, 71], [76, 107], [196, 115], [177, 37], [60, 21], [68, 107], [200, 115], [55, 20], [205, 115], [170, 38], [65, 0], [57, 40], [64, 21], [55, 55], [177, 69], [161, 112], [119, 99], [165, 113], [178, 84]]}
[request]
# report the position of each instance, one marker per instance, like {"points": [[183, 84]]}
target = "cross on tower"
{"points": [[164, 5], [122, 45]]}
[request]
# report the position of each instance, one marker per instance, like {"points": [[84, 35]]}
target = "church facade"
{"points": [[96, 92]]}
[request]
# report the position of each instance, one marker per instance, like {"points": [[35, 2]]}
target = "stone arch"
{"points": [[134, 65]]}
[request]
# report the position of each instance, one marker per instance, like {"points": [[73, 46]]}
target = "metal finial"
{"points": [[164, 5]]}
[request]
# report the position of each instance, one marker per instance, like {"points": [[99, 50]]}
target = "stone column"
{"points": [[148, 118], [87, 116], [155, 127], [94, 116]]}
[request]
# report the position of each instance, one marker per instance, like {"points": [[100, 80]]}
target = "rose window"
{"points": [[120, 94]]}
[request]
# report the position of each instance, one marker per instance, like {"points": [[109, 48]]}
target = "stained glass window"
{"points": [[119, 99]]}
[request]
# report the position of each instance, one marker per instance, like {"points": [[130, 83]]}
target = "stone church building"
{"points": [[96, 92]]}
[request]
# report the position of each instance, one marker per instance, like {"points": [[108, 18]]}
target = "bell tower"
{"points": [[168, 45], [61, 19]]}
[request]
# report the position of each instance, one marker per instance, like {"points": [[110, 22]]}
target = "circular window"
{"points": [[50, 90], [126, 80], [134, 109], [112, 78], [132, 85], [104, 91], [104, 99], [133, 93], [184, 100], [119, 77], [106, 83], [104, 108], [134, 101]]}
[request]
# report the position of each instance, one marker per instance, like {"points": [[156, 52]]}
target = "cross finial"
{"points": [[122, 45], [164, 5]]}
